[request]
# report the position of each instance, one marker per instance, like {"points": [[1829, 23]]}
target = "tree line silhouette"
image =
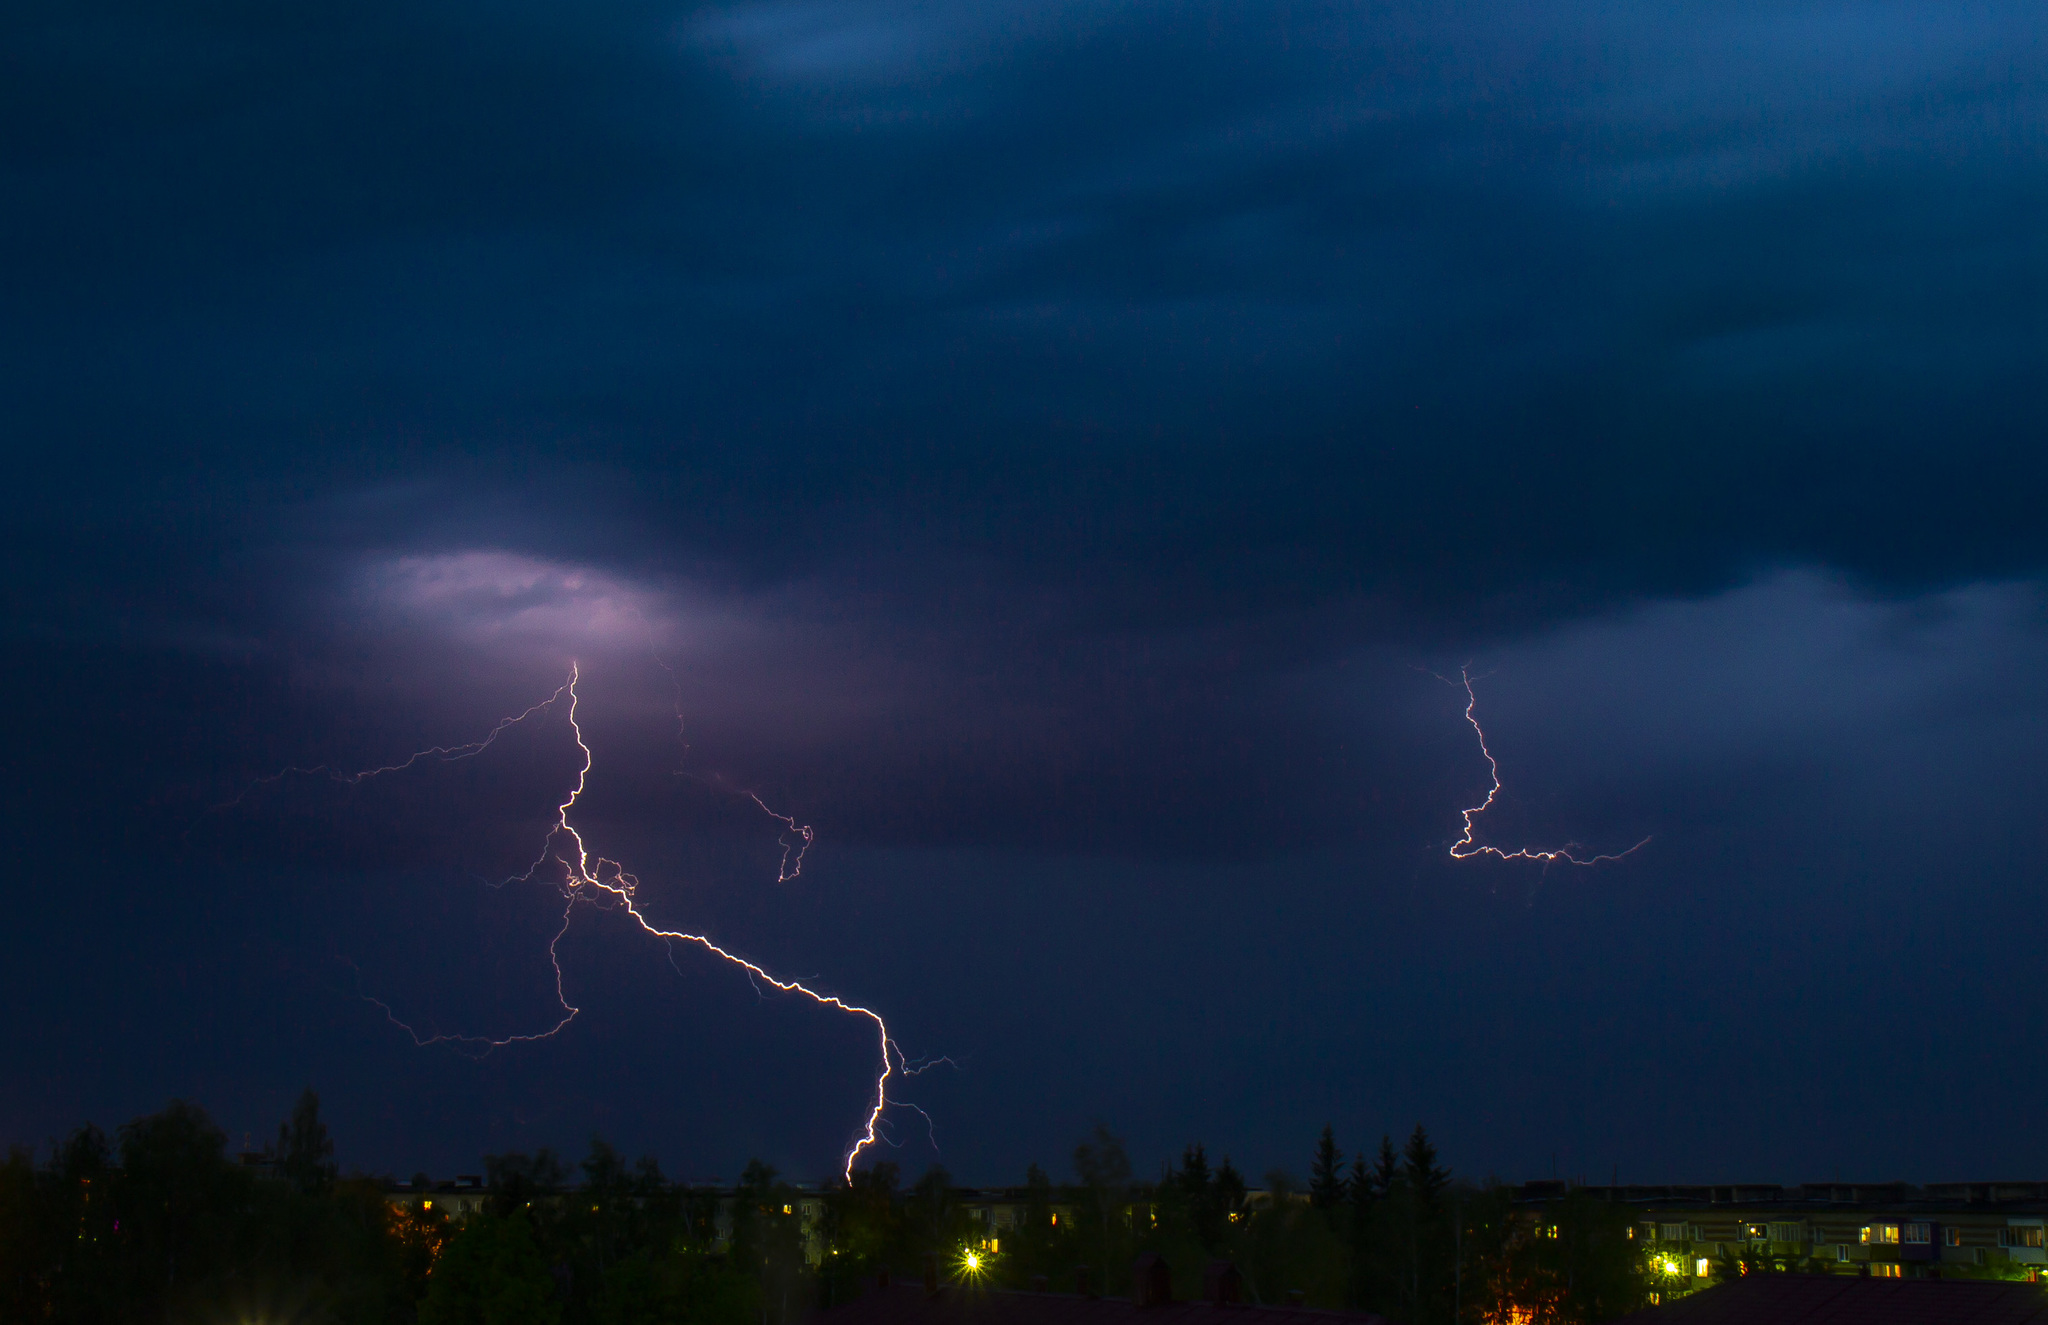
{"points": [[159, 1224]]}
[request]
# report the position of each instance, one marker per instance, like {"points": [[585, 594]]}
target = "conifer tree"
{"points": [[1326, 1174], [1197, 1188], [1194, 1171], [1360, 1196], [1419, 1167], [1230, 1189], [1386, 1169]]}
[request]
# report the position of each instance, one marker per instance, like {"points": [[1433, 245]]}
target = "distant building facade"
{"points": [[464, 1195], [1887, 1230]]}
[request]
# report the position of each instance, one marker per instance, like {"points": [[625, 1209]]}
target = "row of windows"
{"points": [[1893, 1234], [1880, 1234]]}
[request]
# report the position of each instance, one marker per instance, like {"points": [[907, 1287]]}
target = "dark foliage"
{"points": [[160, 1225], [305, 1152], [1326, 1175], [1398, 1236]]}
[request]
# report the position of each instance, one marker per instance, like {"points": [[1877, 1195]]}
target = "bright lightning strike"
{"points": [[603, 883], [1467, 846]]}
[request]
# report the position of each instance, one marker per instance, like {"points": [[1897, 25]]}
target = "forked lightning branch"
{"points": [[585, 879]]}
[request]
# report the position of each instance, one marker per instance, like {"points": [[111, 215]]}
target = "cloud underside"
{"points": [[1486, 316], [1008, 398]]}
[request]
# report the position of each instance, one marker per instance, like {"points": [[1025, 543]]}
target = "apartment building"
{"points": [[1888, 1230]]}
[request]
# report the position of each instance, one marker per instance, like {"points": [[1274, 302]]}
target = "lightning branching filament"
{"points": [[445, 754], [476, 1046], [587, 879], [797, 838], [1468, 845]]}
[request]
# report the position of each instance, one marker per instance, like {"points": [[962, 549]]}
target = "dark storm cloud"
{"points": [[1192, 344], [1039, 445], [1222, 304]]}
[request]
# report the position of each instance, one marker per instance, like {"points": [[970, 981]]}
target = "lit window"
{"points": [[1700, 1270], [1952, 1236], [426, 1205], [1881, 1234], [785, 1209], [1886, 1270]]}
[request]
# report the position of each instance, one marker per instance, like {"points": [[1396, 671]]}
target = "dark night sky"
{"points": [[1049, 448]]}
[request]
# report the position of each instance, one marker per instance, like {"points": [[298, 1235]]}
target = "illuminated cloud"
{"points": [[505, 600]]}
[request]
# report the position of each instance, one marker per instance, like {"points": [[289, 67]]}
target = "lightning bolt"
{"points": [[476, 1046], [588, 879], [446, 754], [798, 839], [1466, 847]]}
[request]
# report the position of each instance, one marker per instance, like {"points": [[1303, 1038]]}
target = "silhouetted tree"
{"points": [[1360, 1196], [180, 1207], [1204, 1202], [863, 1220], [1326, 1172], [1034, 1246], [1577, 1263], [1419, 1167], [1230, 1190], [767, 1240], [1102, 1198], [83, 1277], [936, 1225], [1386, 1168], [25, 1240], [613, 1214], [519, 1179], [492, 1273], [305, 1151]]}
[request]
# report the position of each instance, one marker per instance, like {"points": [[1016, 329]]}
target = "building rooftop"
{"points": [[1813, 1196]]}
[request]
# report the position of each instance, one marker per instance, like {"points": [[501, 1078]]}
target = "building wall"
{"points": [[1848, 1236]]}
